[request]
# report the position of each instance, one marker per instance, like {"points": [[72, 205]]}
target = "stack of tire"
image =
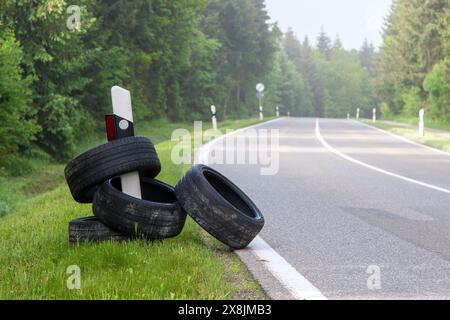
{"points": [[212, 200]]}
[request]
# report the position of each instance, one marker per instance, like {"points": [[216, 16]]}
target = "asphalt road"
{"points": [[332, 218]]}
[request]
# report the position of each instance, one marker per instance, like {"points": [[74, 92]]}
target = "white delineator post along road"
{"points": [[260, 94], [357, 114], [278, 111], [214, 118], [422, 122], [374, 118], [121, 101]]}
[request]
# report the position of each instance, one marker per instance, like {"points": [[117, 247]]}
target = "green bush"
{"points": [[16, 166], [412, 102], [4, 207], [437, 84], [64, 123], [18, 127], [385, 110], [196, 116]]}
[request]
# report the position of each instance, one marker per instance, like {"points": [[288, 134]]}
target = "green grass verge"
{"points": [[34, 250], [431, 139], [430, 123]]}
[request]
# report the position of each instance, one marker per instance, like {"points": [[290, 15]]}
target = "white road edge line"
{"points": [[402, 138], [368, 166], [202, 157], [297, 285]]}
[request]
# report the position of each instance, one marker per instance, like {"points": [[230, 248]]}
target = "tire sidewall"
{"points": [[110, 206]]}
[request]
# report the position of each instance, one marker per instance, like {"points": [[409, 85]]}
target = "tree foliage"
{"points": [[179, 57], [16, 113], [335, 82], [412, 68]]}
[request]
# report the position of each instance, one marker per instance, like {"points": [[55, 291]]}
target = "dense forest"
{"points": [[178, 57], [414, 69]]}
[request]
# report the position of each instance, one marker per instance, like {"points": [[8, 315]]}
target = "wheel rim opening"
{"points": [[229, 194], [151, 191]]}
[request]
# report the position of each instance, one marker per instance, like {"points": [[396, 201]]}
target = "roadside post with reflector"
{"points": [[120, 125], [357, 114], [422, 122], [278, 111], [374, 118], [214, 118], [260, 94]]}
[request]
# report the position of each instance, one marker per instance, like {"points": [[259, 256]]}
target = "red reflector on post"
{"points": [[110, 127]]}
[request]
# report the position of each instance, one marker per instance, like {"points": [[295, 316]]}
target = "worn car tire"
{"points": [[158, 215], [87, 171], [92, 230], [219, 206]]}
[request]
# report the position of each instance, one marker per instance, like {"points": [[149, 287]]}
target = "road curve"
{"points": [[336, 221]]}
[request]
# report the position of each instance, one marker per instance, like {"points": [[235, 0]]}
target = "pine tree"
{"points": [[412, 47], [247, 52], [337, 44], [367, 56], [324, 44]]}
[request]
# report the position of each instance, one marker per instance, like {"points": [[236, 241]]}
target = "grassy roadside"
{"points": [[34, 251], [432, 139], [433, 124]]}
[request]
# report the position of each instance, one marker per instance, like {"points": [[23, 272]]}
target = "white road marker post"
{"points": [[214, 118], [348, 116], [422, 122], [357, 114], [374, 118], [289, 114], [278, 111], [123, 112], [260, 94]]}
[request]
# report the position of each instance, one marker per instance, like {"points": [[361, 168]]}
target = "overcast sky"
{"points": [[353, 20]]}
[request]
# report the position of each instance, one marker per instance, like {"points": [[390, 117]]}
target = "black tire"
{"points": [[219, 207], [87, 171], [92, 230], [157, 216]]}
